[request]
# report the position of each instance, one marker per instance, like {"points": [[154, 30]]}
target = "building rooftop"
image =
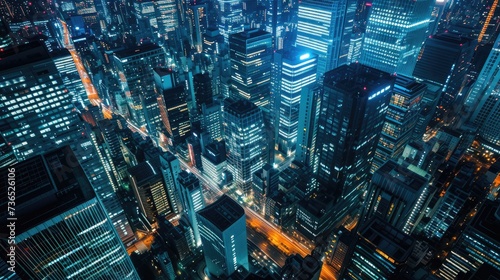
{"points": [[249, 34], [223, 213], [389, 241], [241, 107], [136, 51], [358, 79], [46, 186], [406, 176], [143, 172], [23, 54], [487, 220]]}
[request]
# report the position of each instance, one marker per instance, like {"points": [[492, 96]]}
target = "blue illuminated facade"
{"points": [[293, 70], [394, 34]]}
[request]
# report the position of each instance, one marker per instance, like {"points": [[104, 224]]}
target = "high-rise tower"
{"points": [[62, 229], [224, 236], [244, 137], [355, 101], [394, 34]]}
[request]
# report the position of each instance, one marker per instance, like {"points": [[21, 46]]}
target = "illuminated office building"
{"points": [[197, 20], [310, 106], [251, 56], [400, 120], [451, 203], [479, 244], [445, 59], [398, 194], [214, 160], [394, 34], [170, 168], [173, 106], [244, 138], [224, 236], [62, 229], [35, 105], [67, 69], [191, 195], [353, 108], [380, 252], [150, 190], [211, 120], [203, 92], [324, 28], [230, 18], [488, 80], [166, 17], [486, 94], [92, 156], [135, 72], [293, 70], [274, 22]]}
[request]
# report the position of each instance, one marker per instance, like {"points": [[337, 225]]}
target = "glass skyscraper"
{"points": [[380, 252], [293, 70], [244, 136], [395, 33], [353, 107], [231, 18], [325, 28], [398, 194], [400, 120], [135, 72], [62, 229], [307, 131], [192, 199], [224, 236], [35, 105], [488, 79], [251, 55], [486, 94]]}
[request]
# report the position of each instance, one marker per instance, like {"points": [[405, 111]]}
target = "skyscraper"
{"points": [[324, 28], [478, 244], [488, 79], [134, 70], [211, 120], [450, 204], [173, 106], [192, 200], [308, 126], [251, 56], [166, 17], [197, 17], [62, 229], [170, 168], [274, 22], [398, 194], [35, 105], [202, 90], [292, 70], [244, 137], [67, 69], [486, 94], [354, 103], [149, 190], [380, 252], [394, 34], [400, 120], [445, 59], [230, 18], [224, 236]]}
